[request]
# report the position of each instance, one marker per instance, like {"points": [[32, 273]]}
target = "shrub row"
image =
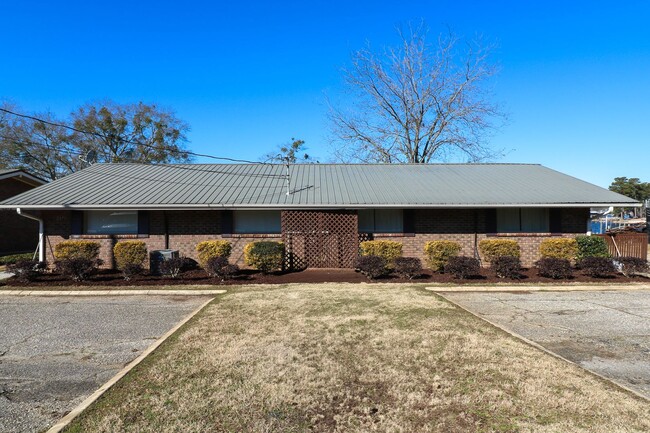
{"points": [[374, 266]]}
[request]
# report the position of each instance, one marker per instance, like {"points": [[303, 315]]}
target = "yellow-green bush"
{"points": [[74, 249], [265, 256], [388, 250], [209, 249], [438, 253], [559, 248], [493, 248], [129, 254]]}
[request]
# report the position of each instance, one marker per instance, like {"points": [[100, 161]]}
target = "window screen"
{"points": [[381, 220], [111, 222], [522, 220], [256, 221]]}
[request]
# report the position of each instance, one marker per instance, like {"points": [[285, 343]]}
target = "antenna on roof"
{"points": [[286, 160]]}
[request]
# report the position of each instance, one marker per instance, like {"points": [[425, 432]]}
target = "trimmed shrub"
{"points": [[598, 267], [493, 248], [209, 249], [591, 246], [463, 267], [507, 267], [88, 250], [559, 248], [220, 268], [129, 257], [438, 253], [629, 266], [172, 267], [15, 258], [408, 267], [389, 250], [27, 270], [371, 266], [77, 268], [265, 256], [558, 269]]}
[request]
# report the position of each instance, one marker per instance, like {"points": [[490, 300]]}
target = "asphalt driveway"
{"points": [[56, 351], [607, 332]]}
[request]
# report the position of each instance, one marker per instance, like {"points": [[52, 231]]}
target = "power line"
{"points": [[96, 134]]}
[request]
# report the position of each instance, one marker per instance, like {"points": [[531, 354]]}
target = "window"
{"points": [[381, 221], [256, 221], [111, 222], [522, 220]]}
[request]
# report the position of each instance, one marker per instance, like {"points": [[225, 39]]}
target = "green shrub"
{"points": [[591, 246], [264, 256], [129, 257], [371, 266], [507, 267], [74, 249], [559, 248], [389, 250], [15, 258], [438, 253], [209, 249], [493, 248], [558, 269], [408, 267], [463, 267]]}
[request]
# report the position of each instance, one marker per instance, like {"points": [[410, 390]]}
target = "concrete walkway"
{"points": [[607, 332]]}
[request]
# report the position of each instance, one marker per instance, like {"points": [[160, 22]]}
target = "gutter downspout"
{"points": [[41, 233]]}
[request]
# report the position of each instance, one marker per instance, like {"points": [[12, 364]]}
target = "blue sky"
{"points": [[248, 76]]}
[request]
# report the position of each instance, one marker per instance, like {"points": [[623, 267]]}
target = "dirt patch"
{"points": [[199, 277]]}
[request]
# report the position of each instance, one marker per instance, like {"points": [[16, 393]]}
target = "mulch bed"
{"points": [[198, 277]]}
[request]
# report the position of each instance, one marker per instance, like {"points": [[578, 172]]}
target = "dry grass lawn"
{"points": [[355, 358]]}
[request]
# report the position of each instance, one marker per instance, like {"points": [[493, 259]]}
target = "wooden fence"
{"points": [[627, 244]]}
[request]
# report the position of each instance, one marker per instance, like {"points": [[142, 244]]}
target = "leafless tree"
{"points": [[417, 103]]}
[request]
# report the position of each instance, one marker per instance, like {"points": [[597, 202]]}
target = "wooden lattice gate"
{"points": [[320, 239]]}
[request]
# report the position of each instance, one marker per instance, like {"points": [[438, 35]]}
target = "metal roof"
{"points": [[190, 186]]}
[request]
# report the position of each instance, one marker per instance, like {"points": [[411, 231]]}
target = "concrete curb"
{"points": [[66, 420], [540, 288], [109, 292], [540, 347]]}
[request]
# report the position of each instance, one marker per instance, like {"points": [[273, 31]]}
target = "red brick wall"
{"points": [[17, 233], [187, 228]]}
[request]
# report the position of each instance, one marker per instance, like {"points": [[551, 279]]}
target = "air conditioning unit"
{"points": [[158, 256]]}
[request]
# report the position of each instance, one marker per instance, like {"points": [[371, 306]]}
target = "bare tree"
{"points": [[294, 152], [417, 103]]}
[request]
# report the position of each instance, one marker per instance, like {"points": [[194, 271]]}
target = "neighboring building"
{"points": [[17, 234], [324, 213]]}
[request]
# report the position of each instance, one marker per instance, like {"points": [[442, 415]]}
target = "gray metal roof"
{"points": [[315, 185]]}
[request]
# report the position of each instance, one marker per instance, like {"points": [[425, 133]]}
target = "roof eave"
{"points": [[314, 206]]}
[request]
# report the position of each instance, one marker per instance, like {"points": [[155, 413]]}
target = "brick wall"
{"points": [[17, 233], [187, 228], [184, 230]]}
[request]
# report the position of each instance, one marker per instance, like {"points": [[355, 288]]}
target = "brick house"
{"points": [[320, 211], [17, 234]]}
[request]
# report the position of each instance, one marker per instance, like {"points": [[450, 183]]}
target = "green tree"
{"points": [[633, 188], [104, 132], [293, 153]]}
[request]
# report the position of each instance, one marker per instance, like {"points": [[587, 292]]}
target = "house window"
{"points": [[111, 222], [256, 221], [522, 220], [381, 221]]}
